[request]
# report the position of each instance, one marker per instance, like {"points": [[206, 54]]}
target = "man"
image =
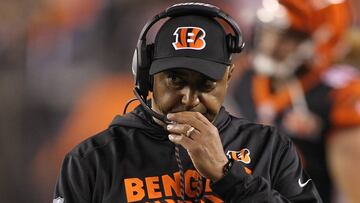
{"points": [[186, 147], [287, 84]]}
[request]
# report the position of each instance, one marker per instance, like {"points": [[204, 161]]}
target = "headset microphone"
{"points": [[148, 109]]}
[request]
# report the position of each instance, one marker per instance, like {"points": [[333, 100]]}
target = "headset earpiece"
{"points": [[235, 44], [240, 44], [142, 54], [150, 55], [143, 60], [230, 40]]}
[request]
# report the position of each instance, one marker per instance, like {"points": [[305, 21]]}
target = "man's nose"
{"points": [[190, 97]]}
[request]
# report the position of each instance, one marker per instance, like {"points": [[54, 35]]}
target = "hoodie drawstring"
{"points": [[182, 178]]}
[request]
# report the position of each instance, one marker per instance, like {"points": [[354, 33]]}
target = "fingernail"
{"points": [[169, 126], [169, 115], [171, 137]]}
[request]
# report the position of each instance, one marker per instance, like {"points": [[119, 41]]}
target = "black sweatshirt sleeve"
{"points": [[290, 183], [72, 184]]}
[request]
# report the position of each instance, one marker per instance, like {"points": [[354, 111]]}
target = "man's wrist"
{"points": [[225, 170]]}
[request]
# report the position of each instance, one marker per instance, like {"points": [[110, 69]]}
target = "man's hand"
{"points": [[201, 139]]}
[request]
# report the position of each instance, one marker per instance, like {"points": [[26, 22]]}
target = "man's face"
{"points": [[185, 90]]}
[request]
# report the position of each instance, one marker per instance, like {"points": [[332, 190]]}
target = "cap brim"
{"points": [[211, 69]]}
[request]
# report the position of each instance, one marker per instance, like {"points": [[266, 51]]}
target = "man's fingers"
{"points": [[185, 116], [195, 119], [182, 140], [201, 125], [178, 128]]}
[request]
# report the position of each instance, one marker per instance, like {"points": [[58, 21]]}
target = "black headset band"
{"points": [[192, 8]]}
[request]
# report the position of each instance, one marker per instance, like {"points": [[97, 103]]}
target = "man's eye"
{"points": [[175, 80], [208, 85]]}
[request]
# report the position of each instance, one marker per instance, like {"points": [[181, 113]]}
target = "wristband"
{"points": [[227, 167]]}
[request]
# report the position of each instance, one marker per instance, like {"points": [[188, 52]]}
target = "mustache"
{"points": [[204, 112], [182, 109]]}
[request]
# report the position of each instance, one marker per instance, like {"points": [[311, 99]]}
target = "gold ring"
{"points": [[188, 132]]}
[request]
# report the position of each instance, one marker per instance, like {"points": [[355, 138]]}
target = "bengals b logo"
{"points": [[242, 155], [189, 38]]}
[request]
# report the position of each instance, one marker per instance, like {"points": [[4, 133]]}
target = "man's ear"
{"points": [[230, 72]]}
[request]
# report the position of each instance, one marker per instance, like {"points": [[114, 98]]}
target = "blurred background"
{"points": [[65, 72]]}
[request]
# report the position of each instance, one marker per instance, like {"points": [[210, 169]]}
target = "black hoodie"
{"points": [[133, 161]]}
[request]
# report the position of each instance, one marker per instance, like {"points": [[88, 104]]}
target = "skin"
{"points": [[343, 156], [190, 99]]}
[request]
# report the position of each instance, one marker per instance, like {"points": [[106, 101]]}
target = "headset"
{"points": [[143, 54]]}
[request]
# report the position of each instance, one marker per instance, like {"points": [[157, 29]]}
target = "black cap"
{"points": [[192, 42]]}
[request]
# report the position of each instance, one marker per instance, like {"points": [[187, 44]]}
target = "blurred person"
{"points": [[295, 41], [173, 146], [343, 145]]}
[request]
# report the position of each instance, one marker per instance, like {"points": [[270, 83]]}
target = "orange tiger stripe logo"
{"points": [[189, 38]]}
